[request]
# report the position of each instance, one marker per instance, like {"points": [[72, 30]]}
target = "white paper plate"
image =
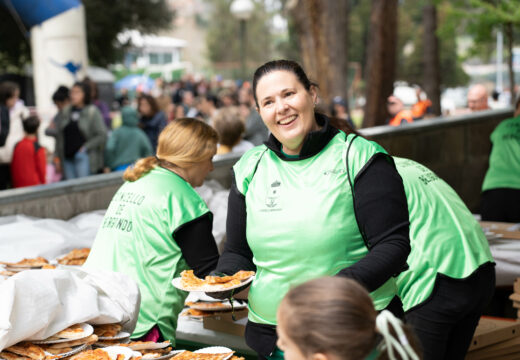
{"points": [[113, 351], [211, 288], [150, 345], [167, 356], [101, 344], [226, 305], [216, 350], [18, 269], [87, 331], [75, 350], [120, 335]]}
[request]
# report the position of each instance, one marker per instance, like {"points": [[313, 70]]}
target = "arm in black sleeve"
{"points": [[198, 244], [382, 215], [237, 254]]}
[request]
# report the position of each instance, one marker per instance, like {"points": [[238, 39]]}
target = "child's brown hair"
{"points": [[332, 315]]}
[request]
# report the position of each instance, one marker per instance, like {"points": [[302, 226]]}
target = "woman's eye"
{"points": [[289, 93]]}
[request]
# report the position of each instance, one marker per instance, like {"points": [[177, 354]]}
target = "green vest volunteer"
{"points": [[136, 235], [504, 161], [301, 222], [501, 187], [277, 201], [447, 244], [444, 236]]}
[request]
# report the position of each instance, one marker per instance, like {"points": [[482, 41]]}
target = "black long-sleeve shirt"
{"points": [[382, 215], [198, 245]]}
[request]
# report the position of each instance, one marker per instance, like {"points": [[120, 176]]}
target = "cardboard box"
{"points": [[516, 286], [225, 323], [497, 351], [493, 330]]}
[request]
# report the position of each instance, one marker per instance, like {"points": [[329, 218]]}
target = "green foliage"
{"points": [[410, 65], [14, 47], [480, 19], [358, 30], [105, 19], [223, 36]]}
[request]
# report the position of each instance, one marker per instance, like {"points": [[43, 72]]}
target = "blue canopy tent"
{"points": [[34, 12]]}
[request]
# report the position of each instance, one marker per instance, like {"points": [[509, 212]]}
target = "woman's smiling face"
{"points": [[286, 108]]}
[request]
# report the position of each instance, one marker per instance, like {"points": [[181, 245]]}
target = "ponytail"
{"points": [[141, 167]]}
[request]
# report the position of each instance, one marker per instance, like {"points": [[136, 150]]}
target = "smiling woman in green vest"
{"points": [[312, 201], [156, 225]]}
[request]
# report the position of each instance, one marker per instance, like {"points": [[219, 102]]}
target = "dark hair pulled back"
{"points": [[284, 65]]}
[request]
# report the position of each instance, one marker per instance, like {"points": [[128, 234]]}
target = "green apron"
{"points": [[300, 220], [444, 236], [135, 238], [504, 161]]}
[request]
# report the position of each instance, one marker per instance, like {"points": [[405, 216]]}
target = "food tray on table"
{"points": [[189, 282]]}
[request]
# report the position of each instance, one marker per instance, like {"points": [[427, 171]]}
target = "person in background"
{"points": [[81, 135], [12, 111], [478, 98], [256, 132], [166, 106], [339, 110], [398, 114], [500, 199], [333, 318], [208, 106], [61, 99], [152, 120], [127, 143], [311, 202], [188, 102], [123, 99], [230, 129], [102, 106], [29, 163], [422, 107], [157, 225], [451, 275]]}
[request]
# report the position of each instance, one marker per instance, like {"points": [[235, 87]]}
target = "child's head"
{"points": [[31, 124], [330, 318]]}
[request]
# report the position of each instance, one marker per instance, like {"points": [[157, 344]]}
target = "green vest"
{"points": [[504, 161], [135, 238], [444, 236], [300, 220]]}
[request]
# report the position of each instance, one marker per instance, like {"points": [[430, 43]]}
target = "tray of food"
{"points": [[189, 282], [216, 306]]}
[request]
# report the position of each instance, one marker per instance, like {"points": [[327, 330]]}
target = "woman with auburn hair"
{"points": [[156, 225], [333, 318]]}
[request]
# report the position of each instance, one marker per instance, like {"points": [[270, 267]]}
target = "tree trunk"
{"points": [[381, 61], [322, 27], [508, 27], [431, 80]]}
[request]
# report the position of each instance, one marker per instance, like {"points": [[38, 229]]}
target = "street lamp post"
{"points": [[242, 10]]}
